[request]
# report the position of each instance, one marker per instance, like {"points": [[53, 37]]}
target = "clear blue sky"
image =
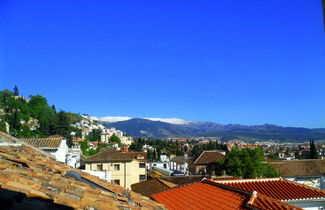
{"points": [[248, 62]]}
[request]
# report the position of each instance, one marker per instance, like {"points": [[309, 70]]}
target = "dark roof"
{"points": [[180, 159], [183, 180], [208, 157], [149, 187], [293, 168], [137, 155], [107, 156], [31, 179]]}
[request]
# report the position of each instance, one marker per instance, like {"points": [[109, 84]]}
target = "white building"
{"points": [[56, 145]]}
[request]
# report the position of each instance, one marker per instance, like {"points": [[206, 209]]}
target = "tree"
{"points": [[248, 163], [313, 150], [94, 135], [115, 138], [16, 91]]}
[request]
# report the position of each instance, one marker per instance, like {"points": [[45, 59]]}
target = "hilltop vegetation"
{"points": [[34, 117]]}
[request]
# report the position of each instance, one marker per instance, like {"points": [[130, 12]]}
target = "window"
{"points": [[116, 167], [142, 165], [99, 167], [116, 181], [142, 177]]}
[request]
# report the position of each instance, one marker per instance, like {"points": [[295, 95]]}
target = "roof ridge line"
{"points": [[250, 180]]}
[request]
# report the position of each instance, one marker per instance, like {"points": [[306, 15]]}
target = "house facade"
{"points": [[125, 170]]}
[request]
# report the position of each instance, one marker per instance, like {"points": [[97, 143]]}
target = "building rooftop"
{"points": [[149, 187], [137, 155], [208, 157], [109, 155], [293, 168], [277, 188], [31, 179], [208, 195], [180, 159], [52, 142]]}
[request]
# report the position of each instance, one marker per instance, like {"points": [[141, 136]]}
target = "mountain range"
{"points": [[174, 127]]}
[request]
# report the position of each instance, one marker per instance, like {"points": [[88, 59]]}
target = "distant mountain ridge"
{"points": [[157, 128]]}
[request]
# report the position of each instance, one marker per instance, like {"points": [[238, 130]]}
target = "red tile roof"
{"points": [[201, 196], [108, 156], [31, 179], [260, 201], [208, 157], [277, 188], [211, 195], [137, 155]]}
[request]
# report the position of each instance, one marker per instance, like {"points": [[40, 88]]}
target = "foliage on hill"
{"points": [[34, 117]]}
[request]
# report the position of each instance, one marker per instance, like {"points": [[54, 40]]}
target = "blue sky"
{"points": [[248, 62]]}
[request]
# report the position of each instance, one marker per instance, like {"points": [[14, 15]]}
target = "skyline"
{"points": [[202, 61]]}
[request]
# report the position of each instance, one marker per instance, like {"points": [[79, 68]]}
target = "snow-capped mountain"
{"points": [[176, 121], [111, 119]]}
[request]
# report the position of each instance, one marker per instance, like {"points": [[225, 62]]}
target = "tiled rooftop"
{"points": [[201, 196], [109, 155], [207, 157], [277, 188], [209, 195], [293, 168], [44, 143], [31, 179], [142, 156]]}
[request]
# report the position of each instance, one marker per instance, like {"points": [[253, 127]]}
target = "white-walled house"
{"points": [[56, 145]]}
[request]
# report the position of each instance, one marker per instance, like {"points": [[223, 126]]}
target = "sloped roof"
{"points": [[52, 142], [179, 159], [277, 188], [293, 168], [107, 156], [137, 155], [149, 187], [156, 185], [208, 157], [31, 179], [208, 195]]}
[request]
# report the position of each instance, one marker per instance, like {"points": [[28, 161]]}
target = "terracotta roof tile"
{"points": [[34, 176], [208, 157], [109, 155], [44, 143], [287, 168], [201, 196], [211, 195], [277, 188], [137, 155]]}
